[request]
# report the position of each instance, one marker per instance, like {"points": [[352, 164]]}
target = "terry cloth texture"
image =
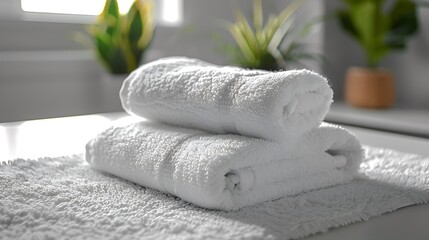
{"points": [[195, 94], [64, 198], [225, 172]]}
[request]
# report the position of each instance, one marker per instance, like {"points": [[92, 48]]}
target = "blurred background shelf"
{"points": [[414, 122]]}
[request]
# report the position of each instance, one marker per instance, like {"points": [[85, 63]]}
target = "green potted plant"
{"points": [[262, 46], [120, 41], [378, 28]]}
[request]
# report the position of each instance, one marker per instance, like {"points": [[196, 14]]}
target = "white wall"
{"points": [[44, 73]]}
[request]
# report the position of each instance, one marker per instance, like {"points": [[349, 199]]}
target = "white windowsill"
{"points": [[399, 120]]}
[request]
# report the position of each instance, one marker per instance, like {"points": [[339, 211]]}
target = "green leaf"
{"points": [[118, 61], [112, 8], [347, 24], [241, 42], [363, 16], [268, 62], [404, 23], [281, 19], [109, 17], [110, 55], [365, 21], [379, 31], [134, 31], [144, 8], [269, 28], [135, 27], [247, 33], [258, 18], [120, 40], [279, 36], [404, 17], [102, 44], [258, 46]]}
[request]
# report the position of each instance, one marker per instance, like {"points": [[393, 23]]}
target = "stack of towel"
{"points": [[226, 137]]}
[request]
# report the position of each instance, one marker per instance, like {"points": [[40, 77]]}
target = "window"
{"points": [[92, 7], [169, 12]]}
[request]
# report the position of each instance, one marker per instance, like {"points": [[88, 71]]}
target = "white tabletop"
{"points": [[65, 136]]}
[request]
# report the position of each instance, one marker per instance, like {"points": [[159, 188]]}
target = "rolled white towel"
{"points": [[192, 93], [224, 172]]}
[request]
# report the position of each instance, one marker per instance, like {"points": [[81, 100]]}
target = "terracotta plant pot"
{"points": [[369, 88]]}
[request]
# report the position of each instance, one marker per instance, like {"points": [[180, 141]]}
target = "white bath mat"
{"points": [[63, 198]]}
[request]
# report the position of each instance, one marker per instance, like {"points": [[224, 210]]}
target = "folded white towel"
{"points": [[192, 93], [224, 171]]}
